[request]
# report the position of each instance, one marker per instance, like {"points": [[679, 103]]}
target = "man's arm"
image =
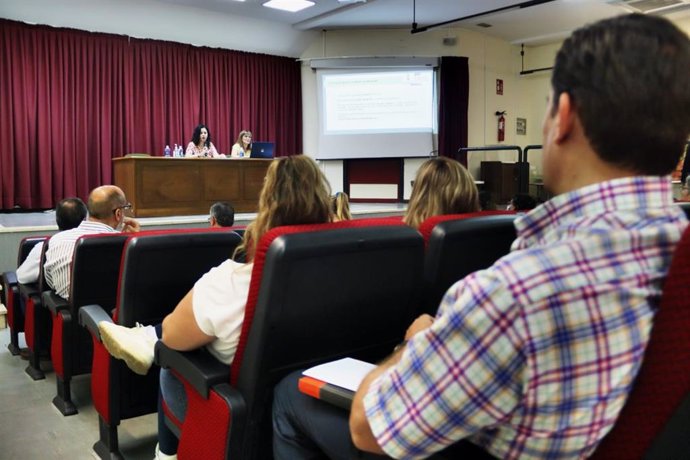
{"points": [[361, 433]]}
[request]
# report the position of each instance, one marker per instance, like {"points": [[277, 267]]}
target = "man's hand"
{"points": [[421, 323], [130, 225]]}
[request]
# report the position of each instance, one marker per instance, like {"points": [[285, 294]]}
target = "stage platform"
{"points": [[16, 225]]}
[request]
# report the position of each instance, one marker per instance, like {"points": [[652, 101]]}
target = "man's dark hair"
{"points": [[69, 213], [224, 213], [523, 202], [628, 80]]}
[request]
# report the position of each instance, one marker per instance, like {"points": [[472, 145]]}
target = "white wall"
{"points": [[489, 59], [162, 21]]}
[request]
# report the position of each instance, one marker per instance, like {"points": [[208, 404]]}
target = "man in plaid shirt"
{"points": [[535, 356]]}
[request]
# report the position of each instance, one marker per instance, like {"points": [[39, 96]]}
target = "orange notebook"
{"points": [[335, 382], [331, 394]]}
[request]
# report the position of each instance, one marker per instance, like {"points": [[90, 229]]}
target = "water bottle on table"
{"points": [[166, 152]]}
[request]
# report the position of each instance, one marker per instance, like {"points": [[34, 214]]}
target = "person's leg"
{"points": [[172, 392], [135, 345], [306, 428]]}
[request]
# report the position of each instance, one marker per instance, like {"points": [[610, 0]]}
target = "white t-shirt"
{"points": [[29, 270], [218, 302]]}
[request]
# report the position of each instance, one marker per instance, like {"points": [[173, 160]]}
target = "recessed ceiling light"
{"points": [[289, 5]]}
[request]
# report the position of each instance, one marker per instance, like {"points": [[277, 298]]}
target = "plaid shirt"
{"points": [[534, 357]]}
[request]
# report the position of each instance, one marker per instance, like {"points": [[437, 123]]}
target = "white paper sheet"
{"points": [[346, 373]]}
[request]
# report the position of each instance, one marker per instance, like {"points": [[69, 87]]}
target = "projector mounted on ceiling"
{"points": [[652, 6]]}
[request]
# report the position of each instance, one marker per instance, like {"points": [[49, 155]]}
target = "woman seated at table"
{"points": [[243, 146], [201, 145]]}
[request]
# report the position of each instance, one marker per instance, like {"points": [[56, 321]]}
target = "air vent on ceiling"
{"points": [[652, 6]]}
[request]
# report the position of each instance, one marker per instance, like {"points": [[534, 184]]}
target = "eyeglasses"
{"points": [[411, 183], [127, 208]]}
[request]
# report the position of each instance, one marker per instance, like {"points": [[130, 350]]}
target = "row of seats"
{"points": [[318, 292], [357, 307], [142, 277]]}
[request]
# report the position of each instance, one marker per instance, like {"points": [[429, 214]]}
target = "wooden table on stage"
{"points": [[158, 186]]}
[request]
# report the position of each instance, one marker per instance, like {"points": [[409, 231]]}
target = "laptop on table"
{"points": [[262, 149]]}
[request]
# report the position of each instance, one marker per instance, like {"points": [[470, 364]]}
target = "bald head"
{"points": [[103, 200]]}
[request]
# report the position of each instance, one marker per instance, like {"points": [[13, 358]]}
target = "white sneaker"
{"points": [[134, 345], [161, 456]]}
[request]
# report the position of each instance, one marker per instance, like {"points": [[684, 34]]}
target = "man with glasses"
{"points": [[109, 212]]}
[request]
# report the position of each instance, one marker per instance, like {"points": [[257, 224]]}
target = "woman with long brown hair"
{"points": [[295, 192], [442, 186]]}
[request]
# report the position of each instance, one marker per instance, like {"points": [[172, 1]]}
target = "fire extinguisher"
{"points": [[501, 125]]}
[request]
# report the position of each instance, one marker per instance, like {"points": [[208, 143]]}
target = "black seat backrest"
{"points": [[96, 270], [324, 295], [158, 270], [457, 248], [25, 247]]}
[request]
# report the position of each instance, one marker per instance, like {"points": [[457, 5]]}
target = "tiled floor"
{"points": [[32, 428]]}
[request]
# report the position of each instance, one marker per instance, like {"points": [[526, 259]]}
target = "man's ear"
{"points": [[565, 117]]}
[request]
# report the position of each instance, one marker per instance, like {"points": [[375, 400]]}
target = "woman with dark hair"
{"points": [[201, 145]]}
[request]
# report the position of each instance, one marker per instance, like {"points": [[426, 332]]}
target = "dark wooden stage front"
{"points": [[158, 186]]}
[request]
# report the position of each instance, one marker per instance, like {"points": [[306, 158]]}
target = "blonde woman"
{"points": [[211, 314], [340, 205], [243, 147], [442, 186]]}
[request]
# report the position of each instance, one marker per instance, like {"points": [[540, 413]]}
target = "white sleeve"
{"points": [[218, 303], [27, 272]]}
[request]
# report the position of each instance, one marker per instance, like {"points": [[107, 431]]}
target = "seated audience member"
{"points": [[107, 207], [243, 147], [535, 356], [522, 202], [201, 145], [68, 214], [340, 206], [485, 201], [441, 186], [295, 192], [222, 214]]}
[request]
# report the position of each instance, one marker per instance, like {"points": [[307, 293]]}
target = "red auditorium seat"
{"points": [[94, 277], [15, 316], [157, 271], [460, 244], [318, 293], [36, 320], [655, 421]]}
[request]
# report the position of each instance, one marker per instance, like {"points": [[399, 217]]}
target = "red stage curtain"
{"points": [[454, 97], [72, 100]]}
